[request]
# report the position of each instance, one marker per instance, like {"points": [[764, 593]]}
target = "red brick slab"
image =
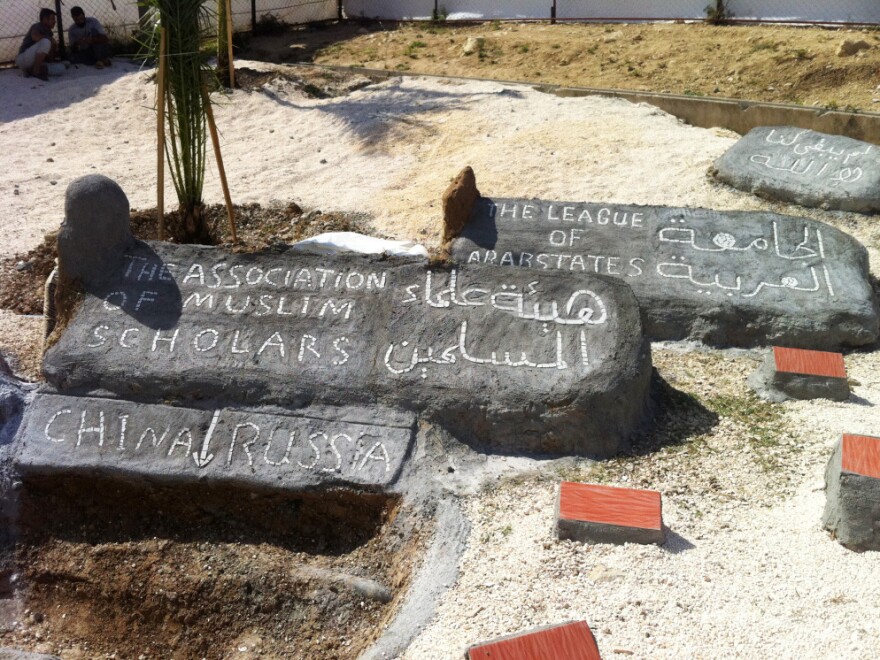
{"points": [[568, 641], [606, 505], [861, 455], [809, 363]]}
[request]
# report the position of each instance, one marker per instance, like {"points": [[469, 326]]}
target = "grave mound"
{"points": [[805, 167], [723, 278]]}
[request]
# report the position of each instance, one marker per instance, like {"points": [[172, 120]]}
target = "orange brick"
{"points": [[568, 641], [606, 505], [861, 455], [809, 363]]}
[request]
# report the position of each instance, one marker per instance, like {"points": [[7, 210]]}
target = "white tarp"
{"points": [[340, 242]]}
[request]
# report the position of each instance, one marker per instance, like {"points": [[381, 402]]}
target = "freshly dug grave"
{"points": [[191, 572]]}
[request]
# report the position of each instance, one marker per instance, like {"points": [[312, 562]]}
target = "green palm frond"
{"points": [[188, 24]]}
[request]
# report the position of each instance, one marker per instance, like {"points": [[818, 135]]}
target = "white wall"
{"points": [[848, 11], [16, 16], [864, 11]]}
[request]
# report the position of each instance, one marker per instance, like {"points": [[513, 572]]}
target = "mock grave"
{"points": [[805, 167], [293, 370], [852, 491], [723, 278], [793, 373]]}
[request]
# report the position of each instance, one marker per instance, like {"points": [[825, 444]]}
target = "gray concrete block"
{"points": [[852, 492], [591, 513], [256, 448], [95, 233], [510, 359], [805, 167], [780, 384], [723, 278]]}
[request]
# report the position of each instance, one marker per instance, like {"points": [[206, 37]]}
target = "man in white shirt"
{"points": [[88, 40], [38, 47]]}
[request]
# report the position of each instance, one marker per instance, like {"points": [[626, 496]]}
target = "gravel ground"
{"points": [[746, 571]]}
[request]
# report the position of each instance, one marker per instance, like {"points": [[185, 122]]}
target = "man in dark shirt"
{"points": [[88, 40], [38, 46]]}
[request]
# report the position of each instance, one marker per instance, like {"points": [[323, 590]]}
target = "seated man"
{"points": [[88, 40], [38, 46]]}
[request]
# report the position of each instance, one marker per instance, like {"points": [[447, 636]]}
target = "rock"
{"points": [[611, 37], [790, 373], [8, 653], [852, 490], [804, 167], [95, 232], [851, 47], [501, 358], [723, 278], [472, 45], [458, 202], [14, 398]]}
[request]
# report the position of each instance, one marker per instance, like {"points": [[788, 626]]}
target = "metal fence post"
{"points": [[61, 48], [553, 13], [254, 16], [339, 10]]}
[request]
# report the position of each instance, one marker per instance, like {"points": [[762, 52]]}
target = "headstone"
{"points": [[852, 491], [723, 278], [510, 359], [254, 448], [95, 232], [805, 167], [591, 513], [567, 641], [793, 373], [457, 202]]}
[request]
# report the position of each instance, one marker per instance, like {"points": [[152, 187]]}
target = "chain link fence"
{"points": [[121, 18]]}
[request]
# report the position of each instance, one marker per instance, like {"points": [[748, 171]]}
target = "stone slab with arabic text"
{"points": [[805, 167], [724, 278], [510, 359], [257, 448]]}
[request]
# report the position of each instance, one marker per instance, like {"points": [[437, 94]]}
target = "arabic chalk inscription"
{"points": [[781, 264], [804, 167]]}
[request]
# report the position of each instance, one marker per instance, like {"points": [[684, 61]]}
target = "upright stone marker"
{"points": [[95, 232], [805, 167], [516, 360], [724, 278], [800, 374], [852, 491]]}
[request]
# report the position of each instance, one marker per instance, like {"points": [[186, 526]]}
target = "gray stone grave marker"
{"points": [[345, 447], [516, 360], [805, 167], [724, 278]]}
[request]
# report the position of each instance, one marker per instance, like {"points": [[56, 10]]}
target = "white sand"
{"points": [[762, 580]]}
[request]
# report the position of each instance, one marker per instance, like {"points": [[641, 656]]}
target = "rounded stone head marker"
{"points": [[95, 233]]}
